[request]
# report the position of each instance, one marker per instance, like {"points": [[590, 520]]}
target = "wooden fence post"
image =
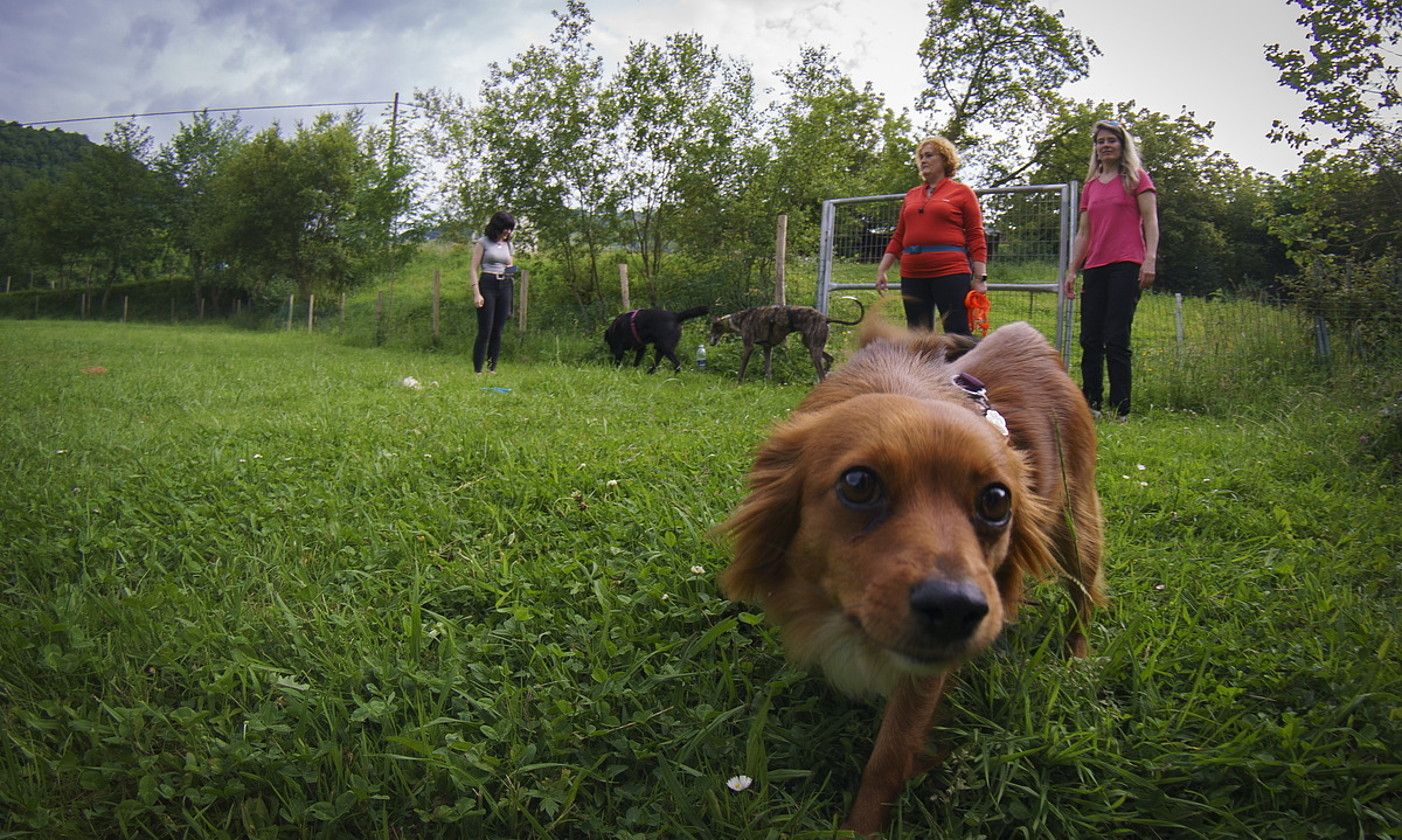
{"points": [[124, 308], [781, 248], [289, 312], [311, 311], [437, 289], [623, 284], [343, 311], [1178, 319], [202, 308], [525, 297], [82, 306], [379, 317]]}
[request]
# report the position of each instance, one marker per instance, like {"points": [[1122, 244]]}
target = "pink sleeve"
{"points": [[1146, 184]]}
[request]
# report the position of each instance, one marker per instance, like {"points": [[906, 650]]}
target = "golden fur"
{"points": [[879, 535]]}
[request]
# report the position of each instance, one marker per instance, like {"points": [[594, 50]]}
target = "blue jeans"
{"points": [[491, 317], [1107, 312]]}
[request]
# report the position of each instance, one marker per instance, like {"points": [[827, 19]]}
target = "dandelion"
{"points": [[698, 570], [739, 783]]}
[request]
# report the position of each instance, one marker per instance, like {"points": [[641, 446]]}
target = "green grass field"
{"points": [[253, 586]]}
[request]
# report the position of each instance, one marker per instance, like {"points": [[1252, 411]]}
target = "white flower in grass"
{"points": [[256, 456], [1141, 467], [612, 482], [1143, 484], [698, 570], [739, 783], [411, 382]]}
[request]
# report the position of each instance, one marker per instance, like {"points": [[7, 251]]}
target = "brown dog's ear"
{"points": [[762, 526], [1029, 546]]}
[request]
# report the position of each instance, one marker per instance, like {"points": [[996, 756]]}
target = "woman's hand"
{"points": [[1069, 285], [477, 299], [881, 283], [1147, 274]]}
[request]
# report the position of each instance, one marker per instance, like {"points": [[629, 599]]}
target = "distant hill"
{"points": [[28, 154]]}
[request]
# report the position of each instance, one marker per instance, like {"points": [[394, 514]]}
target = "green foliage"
{"points": [[255, 587], [308, 213], [1212, 213], [831, 140], [1348, 75], [545, 152], [994, 70]]}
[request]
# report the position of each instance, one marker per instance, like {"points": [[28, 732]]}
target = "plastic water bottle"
{"points": [[700, 357]]}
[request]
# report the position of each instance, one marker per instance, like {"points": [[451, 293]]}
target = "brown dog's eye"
{"points": [[860, 488], [995, 505]]}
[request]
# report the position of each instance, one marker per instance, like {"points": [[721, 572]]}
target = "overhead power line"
{"points": [[206, 110]]}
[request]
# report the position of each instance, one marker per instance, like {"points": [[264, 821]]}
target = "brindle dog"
{"points": [[768, 326]]}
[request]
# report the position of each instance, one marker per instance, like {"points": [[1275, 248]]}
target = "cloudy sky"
{"points": [[66, 59]]}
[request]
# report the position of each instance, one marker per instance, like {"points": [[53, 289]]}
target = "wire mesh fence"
{"points": [[1189, 353]]}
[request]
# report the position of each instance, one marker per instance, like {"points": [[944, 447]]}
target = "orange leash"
{"points": [[976, 303]]}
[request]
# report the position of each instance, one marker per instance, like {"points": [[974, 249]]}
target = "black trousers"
{"points": [[922, 295], [1107, 312], [495, 312]]}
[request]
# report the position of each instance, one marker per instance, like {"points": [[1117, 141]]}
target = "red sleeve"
{"points": [[973, 229], [897, 243]]}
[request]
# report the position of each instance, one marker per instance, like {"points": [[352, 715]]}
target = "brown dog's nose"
{"points": [[950, 610]]}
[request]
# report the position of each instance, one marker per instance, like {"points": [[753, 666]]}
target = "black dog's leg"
{"points": [[638, 359], [656, 357]]}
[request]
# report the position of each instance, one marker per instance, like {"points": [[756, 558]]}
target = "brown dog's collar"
{"points": [[978, 392]]}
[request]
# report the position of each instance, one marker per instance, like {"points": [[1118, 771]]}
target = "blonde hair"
{"points": [[1130, 164], [944, 149]]}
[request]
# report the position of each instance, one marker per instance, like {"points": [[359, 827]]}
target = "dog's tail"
{"points": [[693, 312], [859, 317]]}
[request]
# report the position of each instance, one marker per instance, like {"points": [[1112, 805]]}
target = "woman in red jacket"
{"points": [[939, 241]]}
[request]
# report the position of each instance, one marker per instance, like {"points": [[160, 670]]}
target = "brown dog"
{"points": [[891, 518], [768, 326]]}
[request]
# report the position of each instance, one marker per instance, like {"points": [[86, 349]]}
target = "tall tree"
{"points": [[546, 152], [832, 140], [668, 103], [188, 164], [994, 69], [1348, 75], [104, 213], [300, 214]]}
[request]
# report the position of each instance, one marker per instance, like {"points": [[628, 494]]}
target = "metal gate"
{"points": [[1029, 230]]}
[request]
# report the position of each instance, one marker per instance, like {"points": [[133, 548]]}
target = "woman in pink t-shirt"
{"points": [[1117, 245]]}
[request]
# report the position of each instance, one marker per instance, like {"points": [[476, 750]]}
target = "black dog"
{"points": [[661, 328]]}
